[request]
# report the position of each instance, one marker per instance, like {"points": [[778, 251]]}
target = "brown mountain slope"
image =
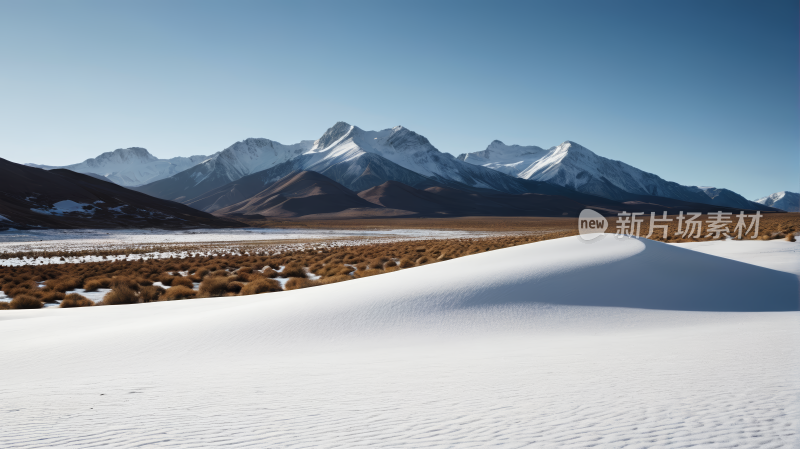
{"points": [[31, 197], [310, 195], [298, 194], [444, 201]]}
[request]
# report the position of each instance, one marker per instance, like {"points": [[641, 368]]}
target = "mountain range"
{"points": [[308, 194], [576, 167], [35, 198], [353, 157], [359, 160]]}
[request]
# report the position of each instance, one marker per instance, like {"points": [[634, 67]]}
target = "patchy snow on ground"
{"points": [[89, 237], [65, 207], [202, 242], [618, 343]]}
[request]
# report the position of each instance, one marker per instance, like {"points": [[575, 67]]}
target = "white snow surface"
{"points": [[773, 254], [788, 201], [553, 344], [65, 207], [131, 167]]}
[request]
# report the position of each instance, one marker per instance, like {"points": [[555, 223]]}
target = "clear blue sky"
{"points": [[698, 92]]}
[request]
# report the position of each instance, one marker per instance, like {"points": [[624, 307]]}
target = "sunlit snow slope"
{"points": [[618, 343]]}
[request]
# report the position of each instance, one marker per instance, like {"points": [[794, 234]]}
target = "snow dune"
{"points": [[618, 343]]}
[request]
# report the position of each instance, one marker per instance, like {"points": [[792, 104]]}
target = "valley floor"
{"points": [[19, 248], [560, 343]]}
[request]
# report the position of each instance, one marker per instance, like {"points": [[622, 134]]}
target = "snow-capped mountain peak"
{"points": [[332, 135], [508, 159], [130, 167], [400, 145], [788, 201], [133, 155], [247, 156], [403, 139]]}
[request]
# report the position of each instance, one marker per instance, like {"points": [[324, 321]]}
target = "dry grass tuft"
{"points": [[261, 286], [177, 292], [213, 286], [120, 294], [150, 293], [76, 300], [166, 279], [25, 302], [93, 285], [297, 282], [144, 282], [333, 279], [377, 263], [367, 272], [235, 286], [63, 285], [293, 271], [182, 281], [125, 282], [52, 296], [405, 262]]}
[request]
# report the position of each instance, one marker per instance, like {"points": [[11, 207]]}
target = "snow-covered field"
{"points": [[81, 238], [158, 243], [618, 343]]}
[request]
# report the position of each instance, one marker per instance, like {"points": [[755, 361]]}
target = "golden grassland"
{"points": [[233, 275], [770, 223], [490, 224]]}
